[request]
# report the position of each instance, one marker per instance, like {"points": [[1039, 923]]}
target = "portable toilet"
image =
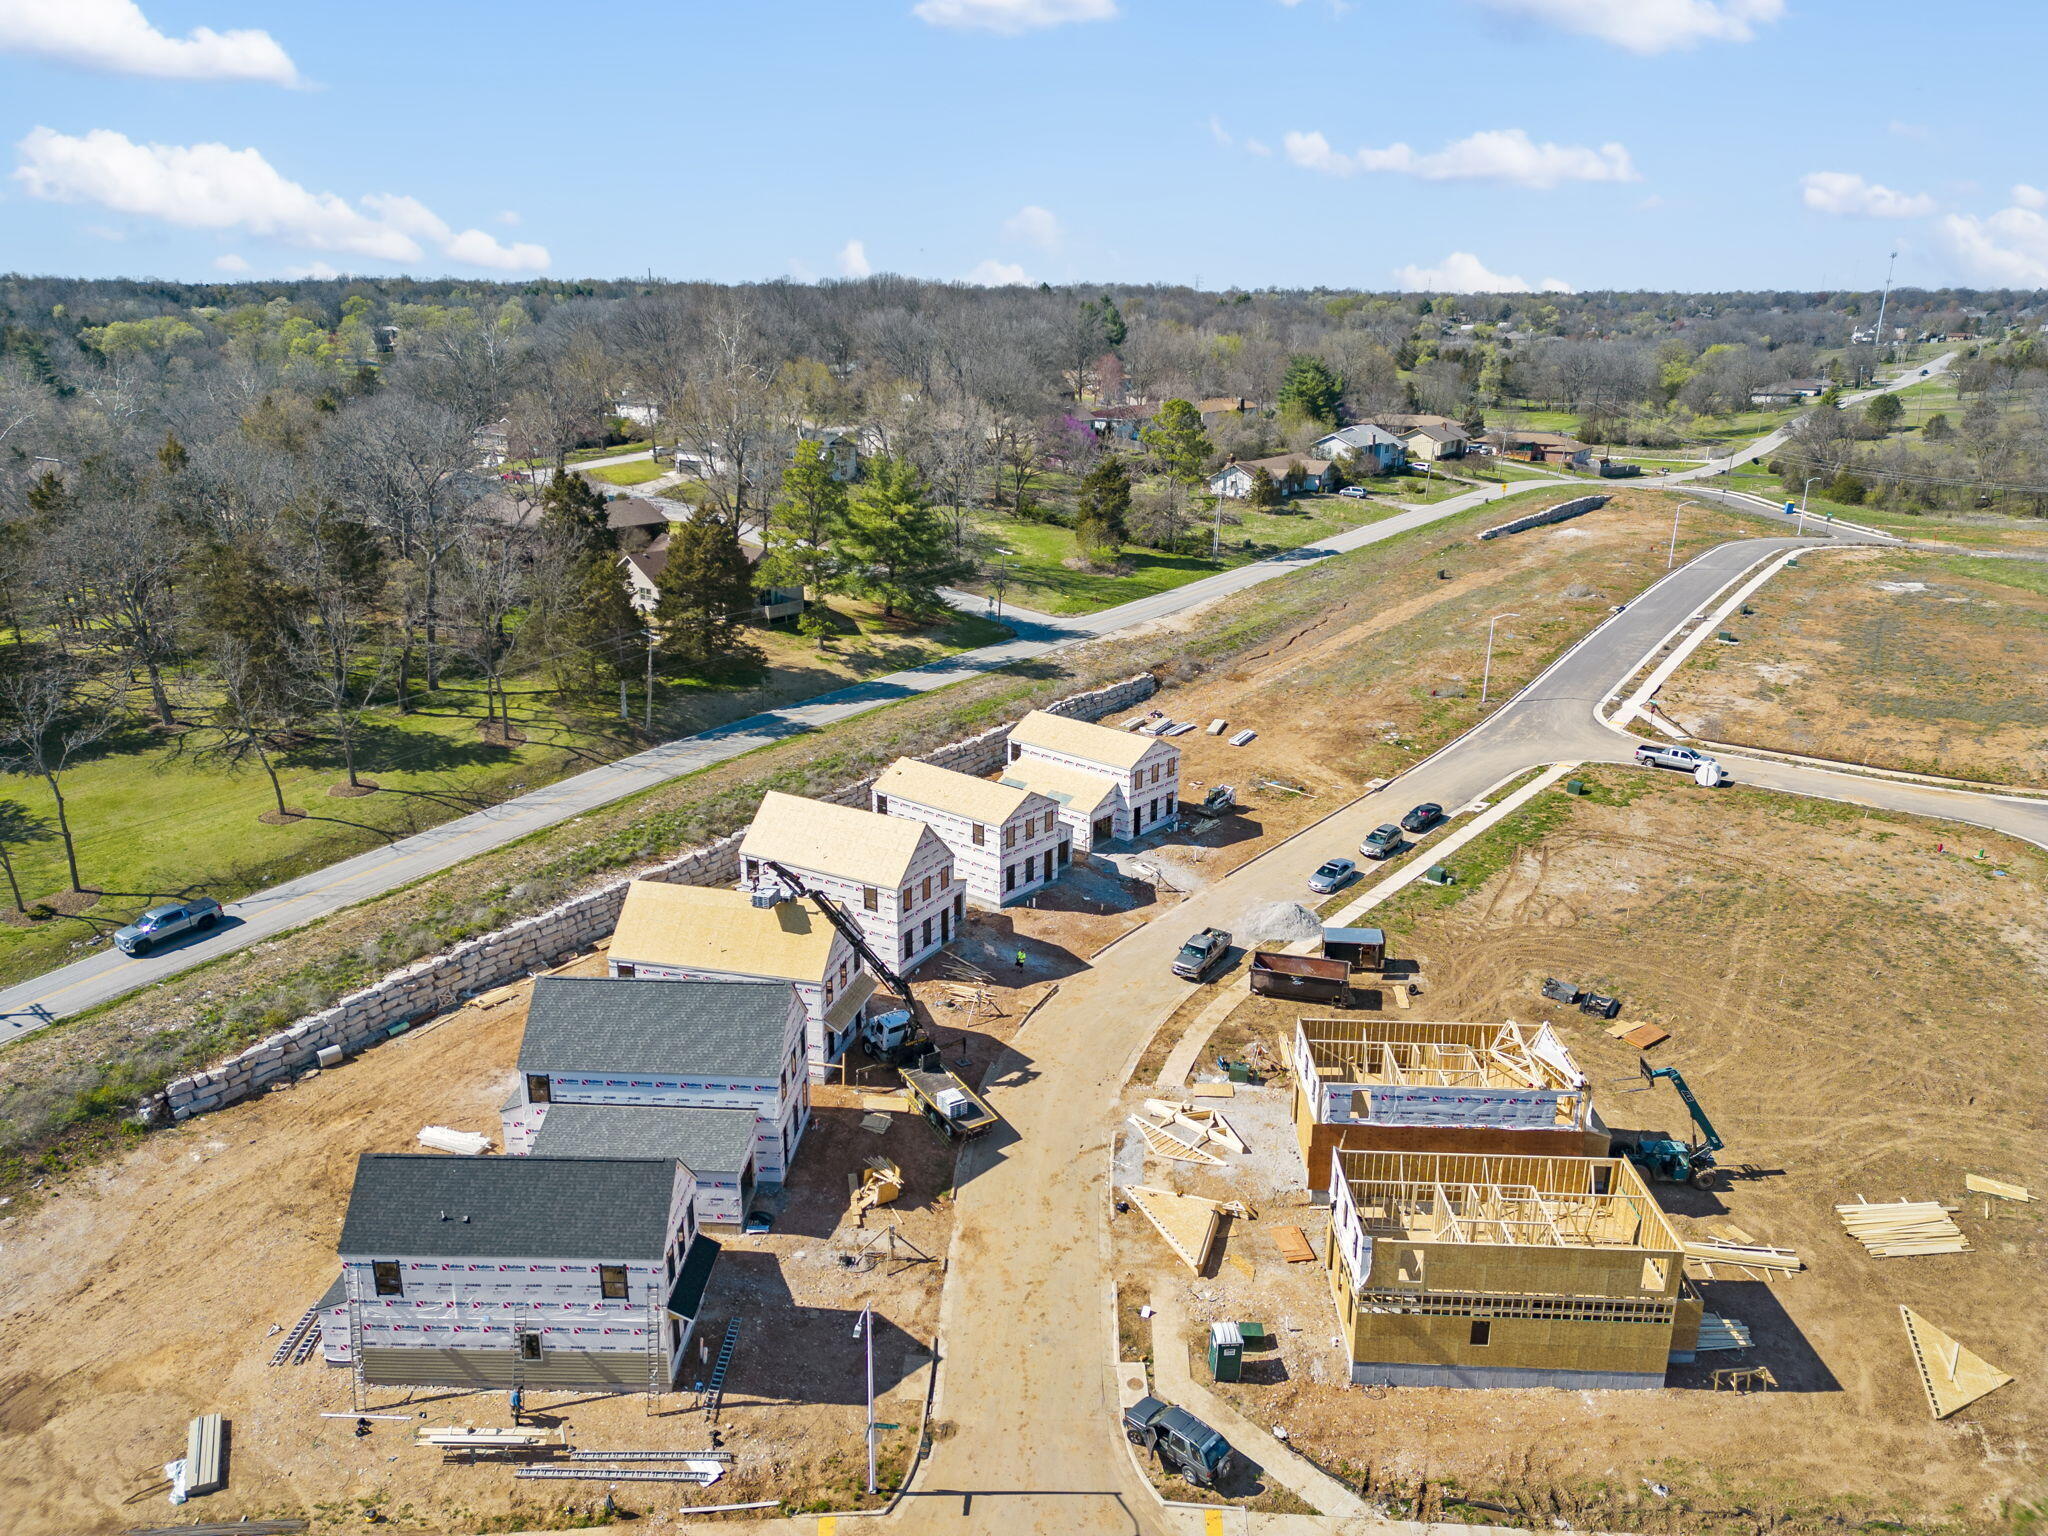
{"points": [[1226, 1352]]}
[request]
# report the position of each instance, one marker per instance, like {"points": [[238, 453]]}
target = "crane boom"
{"points": [[1713, 1141], [846, 925]]}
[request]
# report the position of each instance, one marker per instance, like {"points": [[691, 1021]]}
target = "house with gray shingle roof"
{"points": [[716, 1145], [561, 1273], [732, 1045]]}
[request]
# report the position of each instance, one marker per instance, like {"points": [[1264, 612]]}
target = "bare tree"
{"points": [[488, 585], [49, 714]]}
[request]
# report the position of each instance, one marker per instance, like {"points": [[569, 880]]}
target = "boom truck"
{"points": [[1667, 1160]]}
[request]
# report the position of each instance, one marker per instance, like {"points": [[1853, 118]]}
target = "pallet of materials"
{"points": [[1903, 1229], [1721, 1333]]}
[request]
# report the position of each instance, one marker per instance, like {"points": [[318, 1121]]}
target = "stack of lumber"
{"points": [[1900, 1229], [1977, 1184], [1714, 1250], [463, 1143], [1721, 1333]]}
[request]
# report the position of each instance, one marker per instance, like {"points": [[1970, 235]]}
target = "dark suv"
{"points": [[1180, 1441]]}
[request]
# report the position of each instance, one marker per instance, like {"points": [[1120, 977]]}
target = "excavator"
{"points": [[1665, 1160]]}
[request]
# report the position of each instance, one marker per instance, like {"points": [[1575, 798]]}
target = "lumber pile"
{"points": [[1721, 1333], [1901, 1229], [1977, 1184], [1293, 1244], [462, 1143], [1714, 1250], [1952, 1377]]}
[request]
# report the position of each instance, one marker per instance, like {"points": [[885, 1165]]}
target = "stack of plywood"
{"points": [[1901, 1229]]}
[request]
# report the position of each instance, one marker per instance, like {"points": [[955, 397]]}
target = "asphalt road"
{"points": [[107, 974]]}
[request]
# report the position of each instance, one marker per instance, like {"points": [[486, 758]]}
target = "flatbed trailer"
{"points": [[955, 1110]]}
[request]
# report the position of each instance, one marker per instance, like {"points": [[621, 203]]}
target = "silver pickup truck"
{"points": [[167, 922]]}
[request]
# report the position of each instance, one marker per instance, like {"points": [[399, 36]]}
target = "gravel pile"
{"points": [[1278, 922]]}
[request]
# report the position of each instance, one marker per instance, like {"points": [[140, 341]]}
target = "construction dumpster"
{"points": [[1364, 949], [1302, 978]]}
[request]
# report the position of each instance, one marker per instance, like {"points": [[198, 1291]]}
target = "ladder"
{"points": [[657, 1355], [714, 1390], [302, 1330], [356, 1350]]}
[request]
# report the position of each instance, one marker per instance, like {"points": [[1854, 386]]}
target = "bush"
{"points": [[1846, 488]]}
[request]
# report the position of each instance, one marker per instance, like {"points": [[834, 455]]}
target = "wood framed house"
{"points": [[716, 1145], [667, 1044], [892, 876], [560, 1273], [707, 933], [1090, 806], [1400, 1085], [1458, 1270], [1007, 841], [1144, 769]]}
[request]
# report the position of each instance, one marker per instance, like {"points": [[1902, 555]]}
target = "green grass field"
{"points": [[1039, 578], [638, 472], [1987, 529], [152, 822]]}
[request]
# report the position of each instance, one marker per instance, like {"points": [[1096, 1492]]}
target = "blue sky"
{"points": [[1439, 143]]}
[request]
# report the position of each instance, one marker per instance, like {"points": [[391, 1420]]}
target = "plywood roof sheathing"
{"points": [[1952, 1376]]}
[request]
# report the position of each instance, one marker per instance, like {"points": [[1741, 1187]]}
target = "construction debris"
{"points": [[1953, 1377], [465, 1143], [1242, 737], [880, 1184], [1721, 1333], [1977, 1184], [1901, 1229], [1293, 1244]]}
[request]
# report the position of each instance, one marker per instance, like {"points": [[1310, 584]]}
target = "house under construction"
{"points": [[1460, 1270], [1392, 1085]]}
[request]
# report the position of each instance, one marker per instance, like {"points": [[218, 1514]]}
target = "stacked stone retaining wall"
{"points": [[440, 982], [1577, 507]]}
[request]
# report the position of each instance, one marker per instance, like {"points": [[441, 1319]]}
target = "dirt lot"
{"points": [[149, 1290], [1806, 959], [1930, 663]]}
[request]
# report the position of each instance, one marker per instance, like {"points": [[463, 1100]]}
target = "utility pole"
{"points": [[649, 689], [1877, 335], [1486, 677], [864, 1328], [1671, 556]]}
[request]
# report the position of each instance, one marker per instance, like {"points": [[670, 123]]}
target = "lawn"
{"points": [[152, 822], [581, 455], [1040, 578], [638, 472], [1987, 528]]}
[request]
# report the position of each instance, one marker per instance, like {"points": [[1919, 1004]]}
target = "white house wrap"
{"points": [[1145, 771], [1006, 841]]}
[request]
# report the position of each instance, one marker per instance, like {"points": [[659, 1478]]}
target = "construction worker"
{"points": [[518, 1404], [1020, 959]]}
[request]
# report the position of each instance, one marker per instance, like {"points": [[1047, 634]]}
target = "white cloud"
{"points": [[1257, 147], [1462, 272], [210, 186], [1218, 132], [323, 270], [853, 259], [997, 274], [115, 36], [1010, 17], [1850, 196], [1495, 154], [2029, 197], [230, 263], [1034, 226], [510, 217], [2009, 248], [1650, 26]]}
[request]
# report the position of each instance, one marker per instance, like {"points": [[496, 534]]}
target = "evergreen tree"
{"points": [[1265, 491], [572, 511], [1311, 390], [897, 543], [1111, 321], [1102, 522], [601, 622], [806, 524], [1177, 438], [1884, 412], [706, 591], [1938, 429]]}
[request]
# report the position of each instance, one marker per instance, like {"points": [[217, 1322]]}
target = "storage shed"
{"points": [[892, 876], [706, 933], [1007, 840], [1364, 949]]}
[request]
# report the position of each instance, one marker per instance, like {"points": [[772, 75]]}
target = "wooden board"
{"points": [[1903, 1228], [1977, 1184], [1213, 1091], [1643, 1036], [1293, 1244], [1952, 1376], [1157, 1139], [1188, 1225]]}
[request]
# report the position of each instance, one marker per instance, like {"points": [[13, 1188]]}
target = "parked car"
{"points": [[1382, 842], [1201, 954], [1181, 1441], [167, 922], [1423, 817], [1652, 754], [1332, 876], [1355, 492]]}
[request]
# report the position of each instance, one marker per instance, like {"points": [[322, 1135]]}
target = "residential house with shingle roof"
{"points": [[706, 933], [892, 876], [667, 1044], [561, 1273], [1144, 769], [716, 1145], [1007, 840]]}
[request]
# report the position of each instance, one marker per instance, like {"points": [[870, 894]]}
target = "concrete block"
{"points": [[329, 1055]]}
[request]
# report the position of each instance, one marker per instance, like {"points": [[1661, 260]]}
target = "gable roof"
{"points": [[706, 1140], [1361, 435], [945, 790], [1277, 465], [713, 929], [434, 1206], [835, 839], [703, 1028], [633, 512], [1540, 439], [1443, 434], [1071, 788], [1079, 738], [1397, 421]]}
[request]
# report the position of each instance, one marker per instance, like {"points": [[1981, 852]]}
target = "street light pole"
{"points": [[649, 690], [865, 1328], [1805, 491], [1486, 677], [1671, 556]]}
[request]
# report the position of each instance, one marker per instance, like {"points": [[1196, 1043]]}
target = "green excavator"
{"points": [[1666, 1161]]}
